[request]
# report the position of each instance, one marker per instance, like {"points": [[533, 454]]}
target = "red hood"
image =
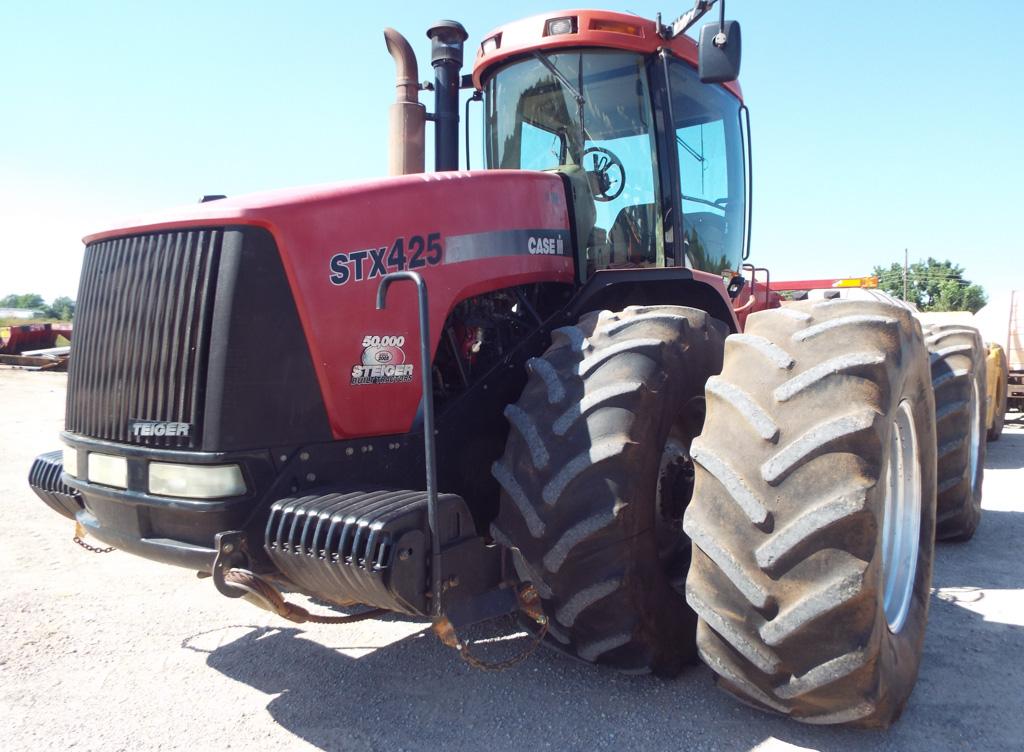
{"points": [[254, 208], [467, 233]]}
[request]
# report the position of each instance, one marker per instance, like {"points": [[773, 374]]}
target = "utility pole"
{"points": [[905, 259]]}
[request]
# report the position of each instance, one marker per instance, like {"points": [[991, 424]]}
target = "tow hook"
{"points": [[233, 578], [232, 553]]}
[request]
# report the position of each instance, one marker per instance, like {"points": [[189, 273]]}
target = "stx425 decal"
{"points": [[376, 262]]}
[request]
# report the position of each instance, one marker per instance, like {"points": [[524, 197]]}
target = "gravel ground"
{"points": [[113, 652]]}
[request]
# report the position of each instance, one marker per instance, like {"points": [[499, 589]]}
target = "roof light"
{"points": [[108, 470], [556, 26], [195, 481], [617, 27], [490, 44]]}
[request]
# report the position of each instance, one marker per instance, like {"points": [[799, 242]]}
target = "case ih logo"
{"points": [[544, 246], [158, 428]]}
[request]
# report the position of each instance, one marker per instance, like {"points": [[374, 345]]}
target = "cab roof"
{"points": [[590, 28]]}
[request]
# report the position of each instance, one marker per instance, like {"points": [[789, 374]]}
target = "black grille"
{"points": [[142, 333]]}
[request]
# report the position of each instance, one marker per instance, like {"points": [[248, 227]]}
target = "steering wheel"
{"points": [[604, 183]]}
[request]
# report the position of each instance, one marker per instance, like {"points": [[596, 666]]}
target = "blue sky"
{"points": [[872, 131]]}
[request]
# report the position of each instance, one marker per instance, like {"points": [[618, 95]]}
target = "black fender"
{"points": [[615, 289]]}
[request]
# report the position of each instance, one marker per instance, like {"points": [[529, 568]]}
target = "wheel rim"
{"points": [[901, 526], [975, 449]]}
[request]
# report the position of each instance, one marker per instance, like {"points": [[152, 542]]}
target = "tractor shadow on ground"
{"points": [[417, 694]]}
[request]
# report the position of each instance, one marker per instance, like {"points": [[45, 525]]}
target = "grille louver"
{"points": [[141, 337]]}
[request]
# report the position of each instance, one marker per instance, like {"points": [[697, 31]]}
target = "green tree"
{"points": [[62, 308], [29, 300], [933, 286]]}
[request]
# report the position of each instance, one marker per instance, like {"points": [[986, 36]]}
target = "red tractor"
{"points": [[581, 412]]}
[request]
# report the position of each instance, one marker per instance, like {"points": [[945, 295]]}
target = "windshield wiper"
{"points": [[690, 150], [560, 76], [562, 79], [718, 203]]}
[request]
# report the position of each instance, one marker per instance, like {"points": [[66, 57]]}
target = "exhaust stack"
{"points": [[407, 115], [447, 39]]}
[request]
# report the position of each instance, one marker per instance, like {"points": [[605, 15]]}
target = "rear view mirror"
{"points": [[719, 52]]}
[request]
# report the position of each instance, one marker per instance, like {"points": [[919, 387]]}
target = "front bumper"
{"points": [[169, 530], [154, 530], [163, 550], [372, 542]]}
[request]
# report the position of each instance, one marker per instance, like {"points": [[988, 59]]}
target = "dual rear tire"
{"points": [[812, 516], [960, 385]]}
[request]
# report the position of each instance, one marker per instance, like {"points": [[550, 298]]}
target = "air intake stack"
{"points": [[447, 39]]}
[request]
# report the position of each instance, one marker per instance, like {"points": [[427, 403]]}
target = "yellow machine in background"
{"points": [[998, 376], [1002, 324]]}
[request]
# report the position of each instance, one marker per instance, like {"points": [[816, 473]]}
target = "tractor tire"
{"points": [[808, 448], [596, 475], [960, 386]]}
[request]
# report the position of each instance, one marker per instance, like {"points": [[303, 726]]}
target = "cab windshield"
{"points": [[588, 109]]}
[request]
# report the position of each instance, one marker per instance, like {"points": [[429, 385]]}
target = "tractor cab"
{"points": [[657, 158]]}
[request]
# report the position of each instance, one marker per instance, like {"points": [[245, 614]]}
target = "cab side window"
{"points": [[709, 151]]}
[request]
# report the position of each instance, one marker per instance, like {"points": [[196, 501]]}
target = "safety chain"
{"points": [[266, 596], [475, 662], [80, 534], [529, 603]]}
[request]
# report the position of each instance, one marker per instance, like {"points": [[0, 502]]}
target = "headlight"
{"points": [[555, 26], [108, 470], [71, 461], [195, 481]]}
